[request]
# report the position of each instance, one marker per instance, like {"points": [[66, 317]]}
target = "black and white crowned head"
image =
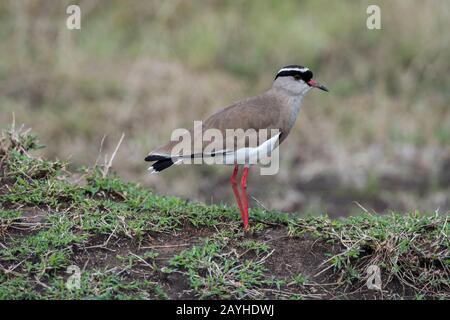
{"points": [[297, 80]]}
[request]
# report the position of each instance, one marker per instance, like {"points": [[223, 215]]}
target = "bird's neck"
{"points": [[294, 104], [290, 100], [291, 103]]}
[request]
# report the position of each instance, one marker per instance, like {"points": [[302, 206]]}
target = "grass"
{"points": [[131, 243]]}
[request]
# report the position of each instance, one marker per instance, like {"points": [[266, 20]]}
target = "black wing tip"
{"points": [[161, 165]]}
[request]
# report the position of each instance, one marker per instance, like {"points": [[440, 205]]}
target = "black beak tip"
{"points": [[318, 85], [323, 88]]}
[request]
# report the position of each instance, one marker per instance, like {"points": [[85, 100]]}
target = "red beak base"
{"points": [[315, 84]]}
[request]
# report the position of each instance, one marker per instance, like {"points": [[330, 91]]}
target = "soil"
{"points": [[292, 256]]}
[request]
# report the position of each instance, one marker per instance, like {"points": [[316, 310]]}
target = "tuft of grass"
{"points": [[413, 249], [215, 271]]}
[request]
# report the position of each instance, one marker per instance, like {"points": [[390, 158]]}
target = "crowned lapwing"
{"points": [[273, 112]]}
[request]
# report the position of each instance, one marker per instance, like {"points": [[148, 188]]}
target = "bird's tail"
{"points": [[161, 163]]}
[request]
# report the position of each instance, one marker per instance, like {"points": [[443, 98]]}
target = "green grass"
{"points": [[131, 243]]}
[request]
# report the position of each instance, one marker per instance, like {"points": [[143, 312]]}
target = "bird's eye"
{"points": [[297, 77]]}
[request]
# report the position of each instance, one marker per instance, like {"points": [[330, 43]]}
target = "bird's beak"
{"points": [[315, 84]]}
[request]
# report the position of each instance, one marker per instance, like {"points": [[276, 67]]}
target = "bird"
{"points": [[275, 110]]}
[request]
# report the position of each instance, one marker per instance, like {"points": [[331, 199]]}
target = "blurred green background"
{"points": [[380, 138]]}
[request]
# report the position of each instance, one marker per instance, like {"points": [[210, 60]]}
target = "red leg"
{"points": [[236, 191], [244, 197]]}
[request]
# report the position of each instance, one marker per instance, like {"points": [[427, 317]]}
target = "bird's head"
{"points": [[297, 80]]}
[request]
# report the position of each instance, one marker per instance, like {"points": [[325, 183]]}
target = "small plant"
{"points": [[253, 245], [300, 279]]}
